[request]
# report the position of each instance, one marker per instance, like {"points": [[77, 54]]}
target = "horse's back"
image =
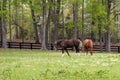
{"points": [[88, 43], [57, 43], [67, 43], [76, 41], [70, 42]]}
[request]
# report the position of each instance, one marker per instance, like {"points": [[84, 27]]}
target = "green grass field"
{"points": [[50, 65]]}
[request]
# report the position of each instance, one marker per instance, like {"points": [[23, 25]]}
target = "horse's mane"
{"points": [[58, 41]]}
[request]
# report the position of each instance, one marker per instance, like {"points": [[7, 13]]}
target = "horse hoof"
{"points": [[62, 55]]}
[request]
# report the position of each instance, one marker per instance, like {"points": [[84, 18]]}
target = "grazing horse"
{"points": [[88, 46], [64, 44]]}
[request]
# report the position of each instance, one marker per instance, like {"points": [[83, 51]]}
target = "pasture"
{"points": [[50, 65]]}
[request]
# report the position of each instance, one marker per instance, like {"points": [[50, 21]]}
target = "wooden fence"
{"points": [[28, 45], [114, 48]]}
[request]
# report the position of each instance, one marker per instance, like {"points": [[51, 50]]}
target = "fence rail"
{"points": [[28, 45], [113, 48], [24, 45]]}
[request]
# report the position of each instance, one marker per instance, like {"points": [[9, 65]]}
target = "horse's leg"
{"points": [[91, 51], [77, 51], [67, 52], [62, 52], [86, 51]]}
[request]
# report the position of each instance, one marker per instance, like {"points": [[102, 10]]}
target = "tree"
{"points": [[16, 36], [56, 12], [3, 23], [48, 22], [108, 39], [44, 43], [34, 22], [82, 23], [10, 32], [75, 18], [99, 20]]}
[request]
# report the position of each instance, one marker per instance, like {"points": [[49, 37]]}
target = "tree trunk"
{"points": [[34, 23], [82, 24], [10, 33], [108, 47], [48, 22], [44, 43], [75, 19], [22, 29], [3, 24], [100, 36], [16, 36], [63, 24], [116, 20], [56, 18]]}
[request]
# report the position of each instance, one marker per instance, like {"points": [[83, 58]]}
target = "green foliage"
{"points": [[69, 29], [94, 11], [98, 13]]}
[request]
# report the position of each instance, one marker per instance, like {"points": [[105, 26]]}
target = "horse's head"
{"points": [[78, 43], [57, 44]]}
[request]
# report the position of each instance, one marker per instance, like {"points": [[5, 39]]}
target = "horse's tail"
{"points": [[80, 44]]}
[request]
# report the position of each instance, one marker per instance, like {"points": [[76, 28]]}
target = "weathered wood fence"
{"points": [[114, 48], [28, 45]]}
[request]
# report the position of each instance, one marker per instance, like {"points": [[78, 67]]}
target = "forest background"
{"points": [[44, 21]]}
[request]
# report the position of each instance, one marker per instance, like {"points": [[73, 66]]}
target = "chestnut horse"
{"points": [[88, 46], [65, 44]]}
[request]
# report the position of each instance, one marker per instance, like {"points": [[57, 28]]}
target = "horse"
{"points": [[65, 44], [88, 46]]}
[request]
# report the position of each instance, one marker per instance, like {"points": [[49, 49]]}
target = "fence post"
{"points": [[9, 45], [118, 49], [0, 43], [20, 45], [52, 46], [30, 45]]}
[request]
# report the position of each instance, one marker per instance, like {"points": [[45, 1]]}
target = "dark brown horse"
{"points": [[65, 44], [88, 46]]}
